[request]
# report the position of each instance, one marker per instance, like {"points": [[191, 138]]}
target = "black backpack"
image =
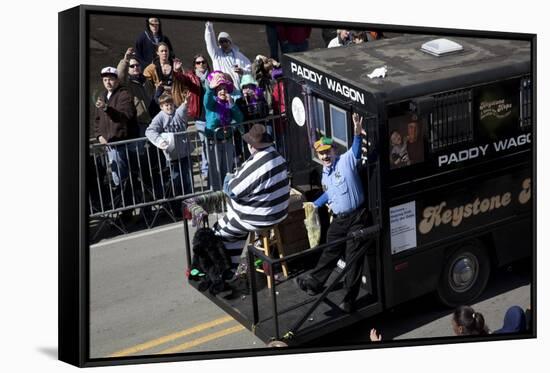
{"points": [[210, 264]]}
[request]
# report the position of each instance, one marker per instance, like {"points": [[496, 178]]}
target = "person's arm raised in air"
{"points": [[210, 39]]}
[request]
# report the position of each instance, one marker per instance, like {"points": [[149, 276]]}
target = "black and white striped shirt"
{"points": [[260, 189]]}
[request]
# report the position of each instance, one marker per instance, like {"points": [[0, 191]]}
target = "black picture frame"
{"points": [[73, 222]]}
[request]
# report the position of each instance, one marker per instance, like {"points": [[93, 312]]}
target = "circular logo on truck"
{"points": [[298, 111]]}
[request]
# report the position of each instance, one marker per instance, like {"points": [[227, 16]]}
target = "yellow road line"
{"points": [[171, 337], [198, 341]]}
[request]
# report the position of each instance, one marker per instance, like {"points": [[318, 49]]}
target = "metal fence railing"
{"points": [[135, 176]]}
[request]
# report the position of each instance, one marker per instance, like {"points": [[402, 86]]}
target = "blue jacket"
{"points": [[213, 118]]}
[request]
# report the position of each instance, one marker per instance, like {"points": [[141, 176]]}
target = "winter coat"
{"points": [[118, 121], [212, 116], [193, 84], [146, 45], [278, 97], [142, 92], [153, 72]]}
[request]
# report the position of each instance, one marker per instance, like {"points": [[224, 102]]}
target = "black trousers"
{"points": [[339, 228]]}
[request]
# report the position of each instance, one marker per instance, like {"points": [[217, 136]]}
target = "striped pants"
{"points": [[234, 233]]}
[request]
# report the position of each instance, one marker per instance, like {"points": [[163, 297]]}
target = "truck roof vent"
{"points": [[441, 47]]}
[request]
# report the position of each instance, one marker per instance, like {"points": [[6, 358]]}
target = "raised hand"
{"points": [[358, 124], [374, 336], [130, 52], [177, 64]]}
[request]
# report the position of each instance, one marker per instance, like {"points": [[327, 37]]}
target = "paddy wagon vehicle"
{"points": [[447, 166]]}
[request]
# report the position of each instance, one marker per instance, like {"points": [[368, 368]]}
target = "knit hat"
{"points": [[248, 79], [224, 35]]}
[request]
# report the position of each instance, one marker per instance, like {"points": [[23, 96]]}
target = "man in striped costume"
{"points": [[258, 193]]}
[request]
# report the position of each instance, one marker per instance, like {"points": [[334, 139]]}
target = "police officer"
{"points": [[343, 192]]}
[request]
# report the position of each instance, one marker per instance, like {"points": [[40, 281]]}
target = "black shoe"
{"points": [[305, 285]]}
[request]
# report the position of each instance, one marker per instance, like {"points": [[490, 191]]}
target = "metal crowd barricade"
{"points": [[227, 149], [136, 177]]}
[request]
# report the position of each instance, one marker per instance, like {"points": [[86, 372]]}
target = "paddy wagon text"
{"points": [[481, 150], [332, 85]]}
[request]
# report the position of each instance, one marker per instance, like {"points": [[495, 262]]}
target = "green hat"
{"points": [[248, 79], [324, 143]]}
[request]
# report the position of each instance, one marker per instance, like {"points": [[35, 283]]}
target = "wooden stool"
{"points": [[264, 237]]}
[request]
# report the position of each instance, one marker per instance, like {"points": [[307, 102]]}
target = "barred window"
{"points": [[525, 108], [451, 119], [319, 115]]}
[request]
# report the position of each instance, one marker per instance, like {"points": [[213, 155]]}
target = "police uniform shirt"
{"points": [[342, 184]]}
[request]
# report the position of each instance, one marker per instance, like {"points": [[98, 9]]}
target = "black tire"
{"points": [[465, 274]]}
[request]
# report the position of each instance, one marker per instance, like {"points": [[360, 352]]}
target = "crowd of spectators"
{"points": [[151, 93]]}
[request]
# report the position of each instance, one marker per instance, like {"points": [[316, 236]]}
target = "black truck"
{"points": [[447, 166]]}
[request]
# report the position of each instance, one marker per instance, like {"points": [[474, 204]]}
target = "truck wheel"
{"points": [[464, 275]]}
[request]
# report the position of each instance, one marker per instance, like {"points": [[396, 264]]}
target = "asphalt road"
{"points": [[140, 303], [139, 293]]}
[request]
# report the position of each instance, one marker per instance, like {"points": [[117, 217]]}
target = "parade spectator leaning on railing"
{"points": [[221, 112], [165, 132], [115, 120]]}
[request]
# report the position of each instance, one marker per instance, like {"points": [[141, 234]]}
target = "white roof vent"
{"points": [[441, 47]]}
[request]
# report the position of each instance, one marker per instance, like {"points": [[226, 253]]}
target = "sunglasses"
{"points": [[134, 65], [223, 41], [200, 62]]}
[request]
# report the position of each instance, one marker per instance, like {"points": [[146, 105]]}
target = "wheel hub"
{"points": [[464, 272]]}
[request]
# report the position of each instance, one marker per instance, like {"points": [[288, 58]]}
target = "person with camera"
{"points": [[225, 55], [130, 74], [252, 103]]}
